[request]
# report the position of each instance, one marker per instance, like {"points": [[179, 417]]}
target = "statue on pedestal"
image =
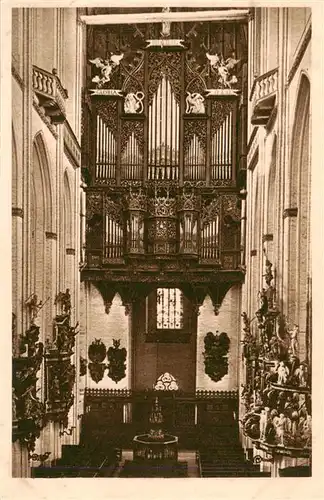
{"points": [[294, 340]]}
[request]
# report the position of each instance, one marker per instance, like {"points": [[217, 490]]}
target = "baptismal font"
{"points": [[156, 445]]}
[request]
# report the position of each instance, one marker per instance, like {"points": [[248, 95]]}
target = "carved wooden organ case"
{"points": [[162, 145]]}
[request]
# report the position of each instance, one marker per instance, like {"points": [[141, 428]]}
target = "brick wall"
{"points": [[227, 321]]}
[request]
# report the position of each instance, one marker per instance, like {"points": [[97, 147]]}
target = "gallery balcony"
{"points": [[142, 236], [264, 97], [50, 93]]}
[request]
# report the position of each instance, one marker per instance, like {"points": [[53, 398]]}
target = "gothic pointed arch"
{"points": [[14, 169], [44, 182], [271, 212], [66, 229], [41, 221], [299, 205]]}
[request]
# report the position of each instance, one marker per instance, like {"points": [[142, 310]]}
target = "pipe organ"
{"points": [[164, 158], [106, 149], [165, 224], [163, 134]]}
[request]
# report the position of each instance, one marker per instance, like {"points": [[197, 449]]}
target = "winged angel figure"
{"points": [[106, 66], [224, 69]]}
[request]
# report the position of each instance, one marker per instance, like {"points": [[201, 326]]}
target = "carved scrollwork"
{"points": [[135, 200], [107, 110], [220, 109], [222, 182], [127, 129], [113, 208], [60, 372], [196, 128], [168, 64], [189, 200], [231, 206], [60, 384], [94, 204], [63, 335], [196, 63], [28, 412], [210, 210], [162, 206]]}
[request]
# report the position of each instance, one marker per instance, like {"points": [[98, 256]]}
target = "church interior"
{"points": [[161, 243]]}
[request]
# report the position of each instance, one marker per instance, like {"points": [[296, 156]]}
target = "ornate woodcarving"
{"points": [[128, 127], [60, 372], [277, 387], [196, 128], [162, 225], [231, 206], [150, 274], [94, 203], [107, 110], [113, 208], [168, 64], [116, 356], [215, 355], [210, 209], [71, 146], [220, 109], [196, 69], [97, 353], [61, 379], [132, 66], [28, 412]]}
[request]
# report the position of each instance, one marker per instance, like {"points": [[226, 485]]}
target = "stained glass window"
{"points": [[169, 309]]}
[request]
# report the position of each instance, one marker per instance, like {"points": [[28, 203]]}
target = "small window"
{"points": [[169, 309]]}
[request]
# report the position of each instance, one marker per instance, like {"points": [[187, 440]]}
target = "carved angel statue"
{"points": [[134, 103], [224, 68], [106, 66], [195, 103]]}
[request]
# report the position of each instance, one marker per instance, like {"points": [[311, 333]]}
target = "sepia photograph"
{"points": [[161, 242]]}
